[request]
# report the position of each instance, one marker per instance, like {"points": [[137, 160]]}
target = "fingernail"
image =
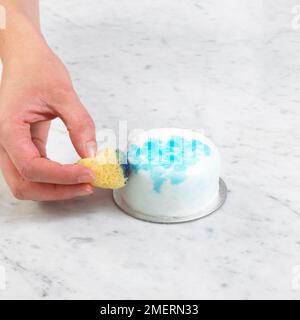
{"points": [[91, 148], [87, 178], [84, 192]]}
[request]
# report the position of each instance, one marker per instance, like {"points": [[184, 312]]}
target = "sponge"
{"points": [[110, 173]]}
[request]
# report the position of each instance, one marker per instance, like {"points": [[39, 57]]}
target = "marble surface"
{"points": [[230, 68]]}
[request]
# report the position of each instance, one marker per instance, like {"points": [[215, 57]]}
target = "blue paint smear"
{"points": [[121, 156], [167, 161]]}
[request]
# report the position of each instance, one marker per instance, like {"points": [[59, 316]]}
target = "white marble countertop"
{"points": [[231, 68]]}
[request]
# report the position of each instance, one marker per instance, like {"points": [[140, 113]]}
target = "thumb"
{"points": [[80, 125]]}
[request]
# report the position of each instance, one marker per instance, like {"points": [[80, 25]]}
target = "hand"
{"points": [[35, 89]]}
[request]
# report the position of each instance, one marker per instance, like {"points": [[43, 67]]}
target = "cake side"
{"points": [[171, 172]]}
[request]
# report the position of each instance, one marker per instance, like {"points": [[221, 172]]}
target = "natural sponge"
{"points": [[108, 166]]}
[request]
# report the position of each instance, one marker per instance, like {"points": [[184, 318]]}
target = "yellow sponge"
{"points": [[110, 174]]}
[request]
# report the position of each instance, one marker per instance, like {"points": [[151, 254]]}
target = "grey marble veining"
{"points": [[230, 68]]}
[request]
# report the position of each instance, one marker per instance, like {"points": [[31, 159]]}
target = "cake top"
{"points": [[168, 154]]}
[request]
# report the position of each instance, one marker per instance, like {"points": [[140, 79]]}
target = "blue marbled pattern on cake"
{"points": [[166, 161]]}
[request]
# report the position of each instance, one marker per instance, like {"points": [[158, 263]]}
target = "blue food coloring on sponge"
{"points": [[166, 161]]}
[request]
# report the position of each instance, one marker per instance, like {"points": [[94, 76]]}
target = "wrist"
{"points": [[19, 37]]}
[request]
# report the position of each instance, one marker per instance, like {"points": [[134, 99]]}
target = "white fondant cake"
{"points": [[172, 172]]}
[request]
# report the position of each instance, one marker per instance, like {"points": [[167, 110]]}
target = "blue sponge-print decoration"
{"points": [[167, 161]]}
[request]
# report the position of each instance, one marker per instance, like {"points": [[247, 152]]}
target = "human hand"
{"points": [[35, 89]]}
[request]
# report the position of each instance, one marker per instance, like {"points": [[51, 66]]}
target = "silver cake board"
{"points": [[212, 207]]}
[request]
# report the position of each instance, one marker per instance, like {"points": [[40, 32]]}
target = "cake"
{"points": [[172, 173]]}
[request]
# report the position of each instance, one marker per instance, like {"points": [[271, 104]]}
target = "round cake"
{"points": [[172, 173]]}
